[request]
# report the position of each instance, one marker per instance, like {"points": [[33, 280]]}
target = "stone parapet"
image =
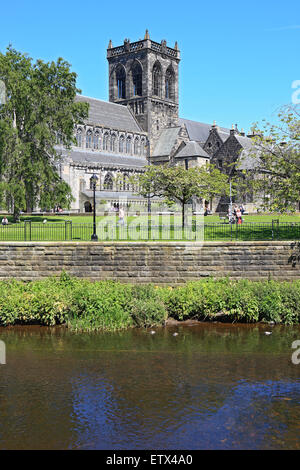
{"points": [[156, 262]]}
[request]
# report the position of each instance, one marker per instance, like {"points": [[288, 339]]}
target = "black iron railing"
{"points": [[106, 231]]}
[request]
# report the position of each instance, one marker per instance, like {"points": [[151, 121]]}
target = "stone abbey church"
{"points": [[140, 125]]}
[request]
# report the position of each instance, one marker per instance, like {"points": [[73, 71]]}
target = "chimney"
{"points": [[242, 132], [232, 130]]}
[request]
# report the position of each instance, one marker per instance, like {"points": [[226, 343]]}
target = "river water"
{"points": [[211, 386]]}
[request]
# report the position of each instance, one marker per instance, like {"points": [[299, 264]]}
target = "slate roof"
{"points": [[248, 161], [199, 131], [110, 115], [192, 149], [106, 159], [224, 135], [166, 142], [245, 142]]}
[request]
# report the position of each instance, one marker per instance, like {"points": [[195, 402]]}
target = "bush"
{"points": [[100, 305]]}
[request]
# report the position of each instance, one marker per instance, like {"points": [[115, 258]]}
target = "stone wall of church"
{"points": [[227, 154]]}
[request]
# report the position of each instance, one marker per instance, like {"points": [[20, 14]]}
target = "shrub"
{"points": [[100, 305], [109, 305]]}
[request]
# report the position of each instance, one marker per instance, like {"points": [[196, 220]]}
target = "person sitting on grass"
{"points": [[4, 221]]}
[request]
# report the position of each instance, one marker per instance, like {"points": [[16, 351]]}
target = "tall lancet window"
{"points": [[121, 144], [137, 79], [170, 84], [128, 145], [96, 140], [136, 146], [121, 82], [143, 148], [113, 143], [156, 80], [105, 141], [88, 139]]}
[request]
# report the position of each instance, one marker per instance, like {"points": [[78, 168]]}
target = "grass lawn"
{"points": [[177, 219]]}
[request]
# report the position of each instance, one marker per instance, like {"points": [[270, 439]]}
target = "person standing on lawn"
{"points": [[238, 215], [121, 216]]}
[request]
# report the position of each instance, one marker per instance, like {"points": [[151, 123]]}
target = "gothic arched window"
{"points": [[108, 182], [143, 147], [137, 77], [79, 137], [170, 84], [105, 141], [88, 139], [156, 79], [113, 140], [96, 140], [121, 144], [136, 146], [121, 82], [128, 145]]}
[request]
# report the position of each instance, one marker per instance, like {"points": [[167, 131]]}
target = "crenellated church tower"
{"points": [[143, 75]]}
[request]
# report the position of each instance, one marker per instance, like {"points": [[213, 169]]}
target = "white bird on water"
{"points": [[152, 332], [175, 334], [268, 332]]}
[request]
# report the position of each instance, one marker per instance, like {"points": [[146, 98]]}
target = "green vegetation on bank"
{"points": [[107, 305]]}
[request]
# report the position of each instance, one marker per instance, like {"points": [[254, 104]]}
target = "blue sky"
{"points": [[238, 59]]}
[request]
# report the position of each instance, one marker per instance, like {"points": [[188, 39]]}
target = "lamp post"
{"points": [[148, 161], [93, 180], [230, 210]]}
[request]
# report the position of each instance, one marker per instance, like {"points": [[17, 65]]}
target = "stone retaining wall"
{"points": [[157, 262]]}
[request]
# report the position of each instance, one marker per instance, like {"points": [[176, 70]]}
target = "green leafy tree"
{"points": [[276, 153], [175, 183], [39, 107]]}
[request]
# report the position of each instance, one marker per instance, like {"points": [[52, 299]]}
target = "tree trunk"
{"points": [[16, 215]]}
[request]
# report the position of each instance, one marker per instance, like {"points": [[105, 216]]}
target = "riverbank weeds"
{"points": [[108, 305]]}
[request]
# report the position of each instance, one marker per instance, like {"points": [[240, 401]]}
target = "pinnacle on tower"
{"points": [[110, 45], [147, 36], [176, 46]]}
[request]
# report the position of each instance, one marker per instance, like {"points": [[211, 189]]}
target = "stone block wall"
{"points": [[157, 262]]}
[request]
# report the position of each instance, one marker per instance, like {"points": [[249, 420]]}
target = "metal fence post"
{"points": [[27, 223], [68, 230]]}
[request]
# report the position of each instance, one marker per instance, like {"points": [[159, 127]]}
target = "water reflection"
{"points": [[211, 387]]}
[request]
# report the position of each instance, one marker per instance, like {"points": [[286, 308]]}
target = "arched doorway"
{"points": [[87, 206]]}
